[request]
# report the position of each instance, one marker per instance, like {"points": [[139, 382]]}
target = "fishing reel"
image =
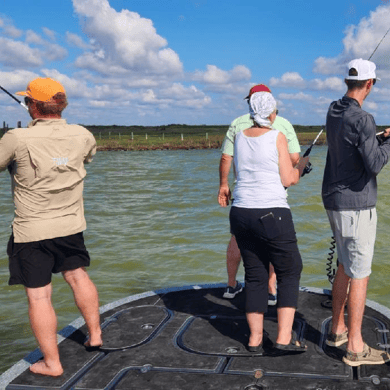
{"points": [[381, 138], [308, 168]]}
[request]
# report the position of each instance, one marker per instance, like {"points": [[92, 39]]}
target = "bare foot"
{"points": [[43, 369]]}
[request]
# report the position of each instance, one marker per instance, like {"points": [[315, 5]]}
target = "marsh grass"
{"points": [[177, 141]]}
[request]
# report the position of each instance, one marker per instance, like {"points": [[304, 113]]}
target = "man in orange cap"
{"points": [[233, 255], [46, 161]]}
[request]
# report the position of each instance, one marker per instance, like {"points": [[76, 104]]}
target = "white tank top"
{"points": [[256, 161]]}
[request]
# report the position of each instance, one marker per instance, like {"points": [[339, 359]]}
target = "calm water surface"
{"points": [[154, 222]]}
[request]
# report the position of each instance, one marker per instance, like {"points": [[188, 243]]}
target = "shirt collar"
{"points": [[46, 122]]}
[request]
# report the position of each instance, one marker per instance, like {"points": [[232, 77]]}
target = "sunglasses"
{"points": [[27, 100]]}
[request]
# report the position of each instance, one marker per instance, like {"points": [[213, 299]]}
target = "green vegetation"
{"points": [[176, 136]]}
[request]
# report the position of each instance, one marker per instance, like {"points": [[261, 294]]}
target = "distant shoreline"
{"points": [[188, 142]]}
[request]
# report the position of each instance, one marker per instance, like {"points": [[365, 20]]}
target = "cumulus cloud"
{"points": [[9, 29], [18, 54], [296, 81], [331, 83], [76, 40], [288, 80], [33, 37], [360, 41], [54, 52], [295, 96], [49, 33], [228, 82], [73, 87], [123, 40], [13, 32], [16, 80], [179, 95], [214, 75]]}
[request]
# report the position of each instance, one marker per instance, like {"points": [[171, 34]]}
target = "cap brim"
{"points": [[22, 93]]}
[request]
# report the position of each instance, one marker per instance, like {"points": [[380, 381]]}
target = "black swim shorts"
{"points": [[32, 263]]}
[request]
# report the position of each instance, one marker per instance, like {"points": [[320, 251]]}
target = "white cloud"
{"points": [[33, 37], [360, 41], [73, 87], [371, 106], [177, 95], [331, 83], [288, 80], [296, 96], [18, 54], [213, 75], [127, 40], [49, 33], [9, 29], [16, 80], [76, 40], [54, 52], [12, 32], [323, 65]]}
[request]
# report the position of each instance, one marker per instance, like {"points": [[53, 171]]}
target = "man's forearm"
{"points": [[224, 169]]}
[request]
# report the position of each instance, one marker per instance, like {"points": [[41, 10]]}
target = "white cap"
{"points": [[365, 70]]}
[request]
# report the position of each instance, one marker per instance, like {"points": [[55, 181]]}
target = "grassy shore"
{"points": [[176, 142], [176, 137]]}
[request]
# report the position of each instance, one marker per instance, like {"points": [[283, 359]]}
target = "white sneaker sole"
{"points": [[231, 295]]}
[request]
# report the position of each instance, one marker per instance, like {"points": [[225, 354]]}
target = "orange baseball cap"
{"points": [[42, 89], [258, 88]]}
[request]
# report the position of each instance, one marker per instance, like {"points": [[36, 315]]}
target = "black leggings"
{"points": [[267, 236]]}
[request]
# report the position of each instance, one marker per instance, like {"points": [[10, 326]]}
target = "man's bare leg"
{"points": [[233, 258], [87, 301], [43, 322], [356, 304], [339, 299]]}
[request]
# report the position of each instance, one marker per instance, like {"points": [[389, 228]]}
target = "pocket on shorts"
{"points": [[348, 223]]}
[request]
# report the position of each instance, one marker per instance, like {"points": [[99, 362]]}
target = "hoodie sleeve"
{"points": [[374, 155]]}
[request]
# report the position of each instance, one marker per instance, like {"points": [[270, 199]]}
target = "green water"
{"points": [[154, 222]]}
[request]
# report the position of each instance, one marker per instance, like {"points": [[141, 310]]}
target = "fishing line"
{"points": [[379, 44]]}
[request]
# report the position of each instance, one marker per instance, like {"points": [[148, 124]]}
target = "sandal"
{"points": [[294, 346], [255, 349]]}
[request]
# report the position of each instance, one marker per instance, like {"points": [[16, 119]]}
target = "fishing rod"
{"points": [[379, 44], [13, 97], [312, 144], [308, 168]]}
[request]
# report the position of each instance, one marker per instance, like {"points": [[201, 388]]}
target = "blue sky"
{"points": [[151, 62]]}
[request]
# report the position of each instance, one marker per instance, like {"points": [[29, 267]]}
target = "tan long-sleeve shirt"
{"points": [[46, 161]]}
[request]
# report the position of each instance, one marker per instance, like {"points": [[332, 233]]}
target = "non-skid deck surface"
{"points": [[194, 339]]}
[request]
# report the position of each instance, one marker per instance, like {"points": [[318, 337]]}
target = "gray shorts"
{"points": [[355, 232]]}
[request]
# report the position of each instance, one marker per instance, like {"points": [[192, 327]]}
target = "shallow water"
{"points": [[153, 222]]}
